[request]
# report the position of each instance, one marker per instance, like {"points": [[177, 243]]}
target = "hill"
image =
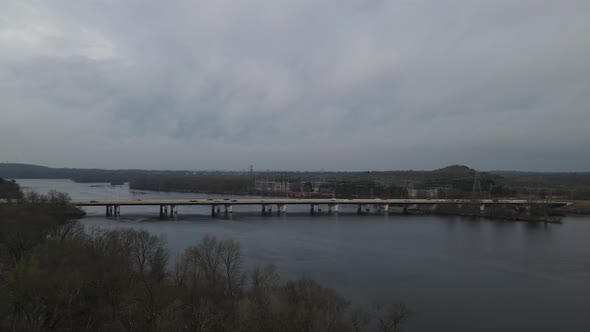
{"points": [[28, 171]]}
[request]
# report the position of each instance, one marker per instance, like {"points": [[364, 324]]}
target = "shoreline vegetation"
{"points": [[53, 204], [240, 187], [535, 214], [456, 181], [57, 275]]}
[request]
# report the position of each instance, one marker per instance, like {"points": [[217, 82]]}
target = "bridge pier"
{"points": [[482, 208], [112, 210], [359, 210], [172, 211], [386, 208], [283, 209], [229, 209], [270, 209], [367, 209], [312, 208], [263, 209], [212, 210]]}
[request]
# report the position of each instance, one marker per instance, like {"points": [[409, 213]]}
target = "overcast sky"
{"points": [[296, 84]]}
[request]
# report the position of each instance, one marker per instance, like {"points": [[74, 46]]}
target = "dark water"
{"points": [[456, 274]]}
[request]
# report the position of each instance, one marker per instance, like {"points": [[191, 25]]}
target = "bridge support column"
{"points": [[218, 209], [405, 210], [482, 208], [108, 210], [359, 210], [162, 212], [270, 209], [386, 208], [283, 209], [212, 210], [367, 209], [117, 210], [312, 209], [229, 209], [527, 210], [263, 209], [330, 208], [172, 211], [335, 208]]}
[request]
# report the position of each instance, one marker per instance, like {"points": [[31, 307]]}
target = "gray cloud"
{"points": [[285, 84]]}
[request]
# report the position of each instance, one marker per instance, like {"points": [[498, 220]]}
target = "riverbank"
{"points": [[550, 220], [533, 214], [63, 211]]}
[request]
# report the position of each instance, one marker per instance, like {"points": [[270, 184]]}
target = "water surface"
{"points": [[456, 274]]}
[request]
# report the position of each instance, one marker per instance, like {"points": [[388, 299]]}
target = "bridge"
{"points": [[169, 206]]}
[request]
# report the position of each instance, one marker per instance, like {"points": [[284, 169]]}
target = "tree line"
{"points": [[9, 189], [198, 184]]}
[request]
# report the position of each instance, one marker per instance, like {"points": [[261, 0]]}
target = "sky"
{"points": [[296, 84]]}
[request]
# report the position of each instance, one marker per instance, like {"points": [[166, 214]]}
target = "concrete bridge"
{"points": [[169, 206]]}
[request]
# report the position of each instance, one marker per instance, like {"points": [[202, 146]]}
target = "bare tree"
{"points": [[208, 254], [145, 249], [180, 272], [66, 230], [391, 317], [190, 261], [262, 278], [231, 258], [359, 320]]}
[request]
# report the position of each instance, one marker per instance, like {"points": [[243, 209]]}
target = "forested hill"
{"points": [[438, 176], [28, 171], [562, 178]]}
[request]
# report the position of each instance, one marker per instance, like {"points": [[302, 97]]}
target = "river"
{"points": [[455, 273]]}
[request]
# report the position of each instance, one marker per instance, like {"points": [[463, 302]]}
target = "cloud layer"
{"points": [[296, 84]]}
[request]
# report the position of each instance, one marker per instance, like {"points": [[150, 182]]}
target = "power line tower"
{"points": [[477, 184], [252, 178]]}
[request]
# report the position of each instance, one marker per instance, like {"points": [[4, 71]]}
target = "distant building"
{"points": [[423, 193]]}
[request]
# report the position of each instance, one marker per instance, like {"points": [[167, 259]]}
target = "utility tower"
{"points": [[252, 178], [476, 184]]}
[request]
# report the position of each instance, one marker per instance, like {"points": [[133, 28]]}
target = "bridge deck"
{"points": [[292, 201]]}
